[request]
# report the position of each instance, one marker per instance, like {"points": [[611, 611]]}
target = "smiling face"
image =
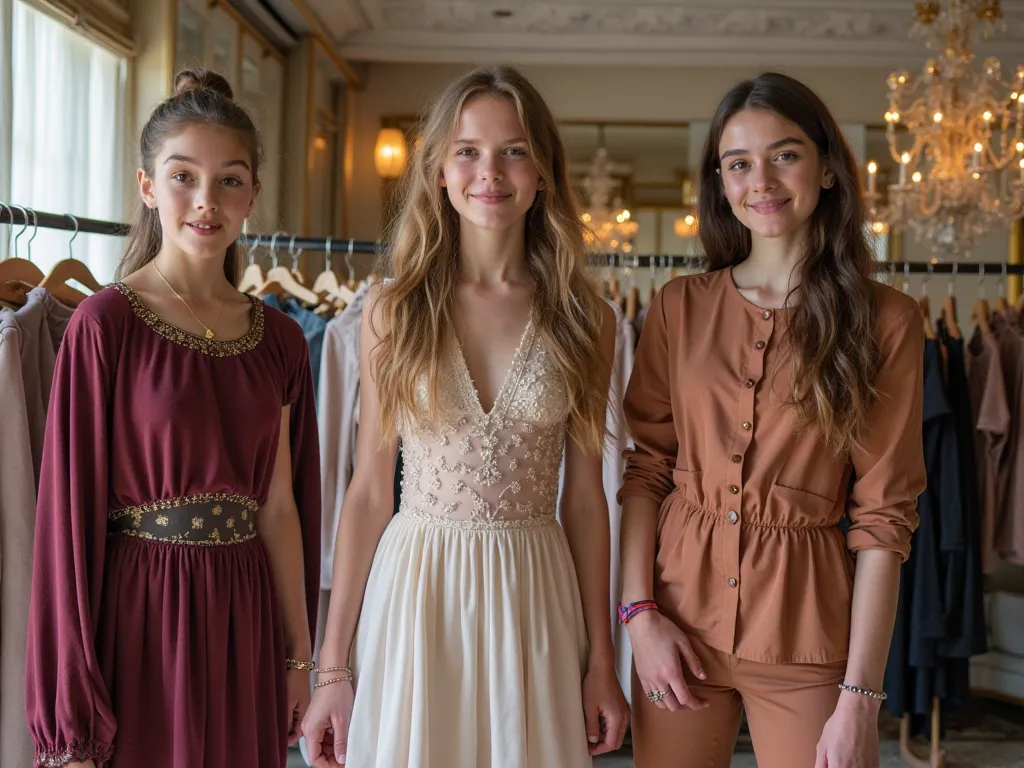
{"points": [[771, 172], [202, 187], [491, 179]]}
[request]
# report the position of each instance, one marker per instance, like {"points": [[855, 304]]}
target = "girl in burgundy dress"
{"points": [[174, 590]]}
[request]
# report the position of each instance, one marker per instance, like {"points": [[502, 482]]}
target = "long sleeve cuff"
{"points": [[78, 751], [647, 477], [891, 532]]}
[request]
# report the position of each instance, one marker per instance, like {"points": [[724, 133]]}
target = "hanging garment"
{"points": [[338, 416], [313, 327], [29, 340], [990, 412], [154, 612], [1009, 526], [617, 442], [471, 645], [936, 627], [964, 583]]}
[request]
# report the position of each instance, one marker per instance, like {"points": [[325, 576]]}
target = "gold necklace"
{"points": [[209, 330]]}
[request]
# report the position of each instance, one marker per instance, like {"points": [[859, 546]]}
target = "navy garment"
{"points": [[313, 327], [939, 619], [966, 635]]}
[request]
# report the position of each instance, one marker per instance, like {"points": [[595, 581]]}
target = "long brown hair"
{"points": [[832, 328], [421, 256], [201, 97]]}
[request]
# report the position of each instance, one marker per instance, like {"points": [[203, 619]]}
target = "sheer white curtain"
{"points": [[67, 141]]}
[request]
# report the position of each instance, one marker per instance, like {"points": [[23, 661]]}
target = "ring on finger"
{"points": [[656, 695]]}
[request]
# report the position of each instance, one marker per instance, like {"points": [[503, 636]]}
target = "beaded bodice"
{"points": [[490, 470]]}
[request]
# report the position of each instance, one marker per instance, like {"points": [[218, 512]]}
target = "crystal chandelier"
{"points": [[610, 226], [961, 155]]}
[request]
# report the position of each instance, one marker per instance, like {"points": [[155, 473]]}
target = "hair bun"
{"points": [[202, 80]]}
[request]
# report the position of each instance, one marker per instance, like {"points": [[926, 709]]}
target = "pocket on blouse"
{"points": [[688, 485], [797, 508]]}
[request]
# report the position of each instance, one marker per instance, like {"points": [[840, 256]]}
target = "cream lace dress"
{"points": [[471, 641]]}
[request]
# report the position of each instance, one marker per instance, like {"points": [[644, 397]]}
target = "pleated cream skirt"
{"points": [[470, 650]]}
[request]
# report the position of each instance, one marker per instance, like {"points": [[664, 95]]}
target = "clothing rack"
{"points": [[26, 217]]}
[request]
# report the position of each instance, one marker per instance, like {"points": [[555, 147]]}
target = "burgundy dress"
{"points": [[155, 634]]}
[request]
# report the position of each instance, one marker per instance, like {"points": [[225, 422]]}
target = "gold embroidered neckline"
{"points": [[212, 347]]}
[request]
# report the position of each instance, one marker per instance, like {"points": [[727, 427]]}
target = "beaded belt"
{"points": [[203, 519]]}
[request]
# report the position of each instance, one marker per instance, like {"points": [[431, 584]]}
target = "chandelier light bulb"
{"points": [[937, 117], [978, 147], [1020, 146], [872, 167], [916, 177], [905, 158], [987, 116]]}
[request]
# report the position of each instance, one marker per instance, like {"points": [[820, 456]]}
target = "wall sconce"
{"points": [[389, 156]]}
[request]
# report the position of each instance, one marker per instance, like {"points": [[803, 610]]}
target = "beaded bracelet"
{"points": [[345, 679], [325, 670], [305, 666], [864, 691], [628, 611]]}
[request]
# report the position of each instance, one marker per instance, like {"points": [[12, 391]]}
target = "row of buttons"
{"points": [[733, 516]]}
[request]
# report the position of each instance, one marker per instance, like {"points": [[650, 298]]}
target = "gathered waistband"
{"points": [[202, 519], [678, 502]]}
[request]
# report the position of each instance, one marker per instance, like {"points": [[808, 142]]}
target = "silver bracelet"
{"points": [[864, 691]]}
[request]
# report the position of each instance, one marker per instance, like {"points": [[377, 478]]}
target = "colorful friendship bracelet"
{"points": [[628, 611]]}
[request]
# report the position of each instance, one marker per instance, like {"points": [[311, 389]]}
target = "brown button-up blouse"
{"points": [[750, 556]]}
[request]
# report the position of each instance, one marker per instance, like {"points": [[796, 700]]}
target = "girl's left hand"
{"points": [[605, 710], [850, 737], [297, 685]]}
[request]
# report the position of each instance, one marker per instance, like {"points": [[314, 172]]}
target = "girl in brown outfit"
{"points": [[771, 397]]}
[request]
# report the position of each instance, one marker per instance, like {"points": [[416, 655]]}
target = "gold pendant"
{"points": [[209, 333]]}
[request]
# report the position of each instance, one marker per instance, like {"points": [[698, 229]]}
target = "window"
{"points": [[68, 136]]}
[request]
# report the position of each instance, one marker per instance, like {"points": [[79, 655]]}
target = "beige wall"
{"points": [[583, 93]]}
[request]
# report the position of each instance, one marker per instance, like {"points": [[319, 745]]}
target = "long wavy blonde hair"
{"points": [[416, 307]]}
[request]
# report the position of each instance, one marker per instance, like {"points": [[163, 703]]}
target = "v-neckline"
{"points": [[512, 374]]}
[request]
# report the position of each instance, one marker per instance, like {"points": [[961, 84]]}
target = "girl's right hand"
{"points": [[325, 726], [659, 648]]}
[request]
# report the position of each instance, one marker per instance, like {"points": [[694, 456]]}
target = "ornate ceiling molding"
{"points": [[838, 33]]}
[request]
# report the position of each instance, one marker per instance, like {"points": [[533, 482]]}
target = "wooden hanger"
{"points": [[929, 329], [294, 256], [345, 292], [280, 280], [981, 315], [70, 269], [326, 281], [252, 277], [1001, 303], [16, 269]]}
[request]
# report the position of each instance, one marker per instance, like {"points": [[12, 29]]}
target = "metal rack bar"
{"points": [[28, 218]]}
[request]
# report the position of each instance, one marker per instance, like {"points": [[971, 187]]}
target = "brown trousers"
{"points": [[787, 706]]}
